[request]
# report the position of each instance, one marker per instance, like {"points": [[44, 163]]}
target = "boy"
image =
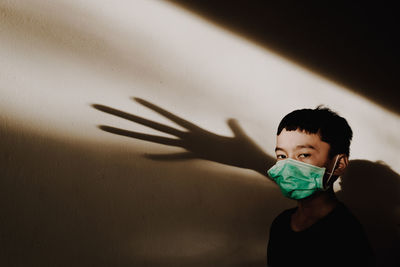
{"points": [[312, 151]]}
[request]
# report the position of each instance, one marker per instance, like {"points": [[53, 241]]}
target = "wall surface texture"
{"points": [[95, 169]]}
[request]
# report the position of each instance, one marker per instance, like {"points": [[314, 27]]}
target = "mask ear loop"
{"points": [[331, 173]]}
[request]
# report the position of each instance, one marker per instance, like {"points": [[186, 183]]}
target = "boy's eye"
{"points": [[280, 156], [304, 155]]}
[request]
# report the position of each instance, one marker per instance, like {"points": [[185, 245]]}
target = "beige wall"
{"points": [[73, 195]]}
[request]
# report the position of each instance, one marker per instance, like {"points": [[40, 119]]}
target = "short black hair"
{"points": [[331, 127]]}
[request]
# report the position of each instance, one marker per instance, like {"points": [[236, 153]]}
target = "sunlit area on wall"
{"points": [[59, 59]]}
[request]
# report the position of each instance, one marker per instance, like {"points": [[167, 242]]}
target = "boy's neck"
{"points": [[311, 210], [317, 206]]}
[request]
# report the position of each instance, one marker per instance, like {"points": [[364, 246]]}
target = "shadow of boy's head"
{"points": [[372, 191], [373, 185]]}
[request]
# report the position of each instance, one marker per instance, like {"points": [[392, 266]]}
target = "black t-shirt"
{"points": [[338, 239]]}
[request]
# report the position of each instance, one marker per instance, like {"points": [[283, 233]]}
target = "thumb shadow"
{"points": [[371, 190]]}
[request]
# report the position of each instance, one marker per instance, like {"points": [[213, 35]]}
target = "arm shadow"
{"points": [[372, 191]]}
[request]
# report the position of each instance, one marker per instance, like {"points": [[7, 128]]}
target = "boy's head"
{"points": [[318, 137]]}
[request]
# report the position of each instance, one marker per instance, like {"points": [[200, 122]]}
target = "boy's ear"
{"points": [[341, 164]]}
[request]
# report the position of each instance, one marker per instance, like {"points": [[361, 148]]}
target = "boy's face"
{"points": [[301, 146]]}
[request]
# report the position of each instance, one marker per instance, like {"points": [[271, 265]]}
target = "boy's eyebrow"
{"points": [[297, 147], [305, 146]]}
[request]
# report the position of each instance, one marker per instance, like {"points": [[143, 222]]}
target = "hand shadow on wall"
{"points": [[370, 190], [239, 150]]}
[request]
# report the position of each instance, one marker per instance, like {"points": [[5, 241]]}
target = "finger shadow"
{"points": [[371, 190]]}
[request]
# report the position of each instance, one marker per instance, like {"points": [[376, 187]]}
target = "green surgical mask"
{"points": [[298, 180]]}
